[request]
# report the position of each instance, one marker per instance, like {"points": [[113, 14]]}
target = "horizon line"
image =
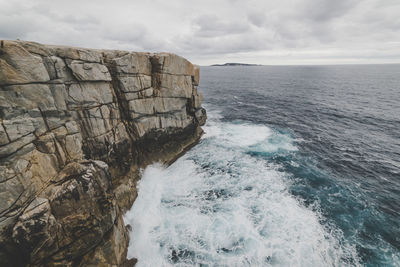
{"points": [[270, 65]]}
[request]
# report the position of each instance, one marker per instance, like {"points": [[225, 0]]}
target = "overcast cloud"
{"points": [[217, 31]]}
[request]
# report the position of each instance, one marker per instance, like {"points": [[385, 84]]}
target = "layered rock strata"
{"points": [[76, 126]]}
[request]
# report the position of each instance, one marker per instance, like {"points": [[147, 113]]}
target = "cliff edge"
{"points": [[76, 126]]}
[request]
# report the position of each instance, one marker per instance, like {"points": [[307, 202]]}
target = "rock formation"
{"points": [[76, 126]]}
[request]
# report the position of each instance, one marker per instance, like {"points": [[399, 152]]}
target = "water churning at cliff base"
{"points": [[219, 205]]}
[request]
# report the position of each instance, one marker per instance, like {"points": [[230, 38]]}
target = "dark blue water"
{"points": [[345, 121]]}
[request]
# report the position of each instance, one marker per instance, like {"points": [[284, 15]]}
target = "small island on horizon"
{"points": [[234, 64]]}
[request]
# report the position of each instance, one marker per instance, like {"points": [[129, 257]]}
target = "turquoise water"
{"points": [[299, 166]]}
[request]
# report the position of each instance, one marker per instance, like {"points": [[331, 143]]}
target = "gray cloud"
{"points": [[208, 31], [210, 25], [325, 10], [256, 18]]}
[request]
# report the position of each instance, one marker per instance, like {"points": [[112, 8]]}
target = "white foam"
{"points": [[219, 206], [242, 135]]}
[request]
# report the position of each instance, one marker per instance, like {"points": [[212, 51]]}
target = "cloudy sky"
{"points": [[217, 31]]}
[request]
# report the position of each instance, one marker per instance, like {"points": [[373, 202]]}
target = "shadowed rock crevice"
{"points": [[76, 127]]}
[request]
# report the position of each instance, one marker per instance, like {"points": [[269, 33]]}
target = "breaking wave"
{"points": [[222, 205]]}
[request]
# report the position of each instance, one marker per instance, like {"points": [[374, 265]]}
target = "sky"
{"points": [[271, 32]]}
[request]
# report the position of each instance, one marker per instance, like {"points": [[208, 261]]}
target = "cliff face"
{"points": [[76, 127]]}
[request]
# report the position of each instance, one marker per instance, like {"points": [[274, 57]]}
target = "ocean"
{"points": [[298, 166]]}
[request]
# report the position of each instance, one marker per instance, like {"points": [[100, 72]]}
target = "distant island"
{"points": [[234, 64]]}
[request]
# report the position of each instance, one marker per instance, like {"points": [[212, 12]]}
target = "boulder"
{"points": [[84, 71], [19, 66]]}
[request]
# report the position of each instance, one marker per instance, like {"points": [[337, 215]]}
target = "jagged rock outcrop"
{"points": [[76, 126]]}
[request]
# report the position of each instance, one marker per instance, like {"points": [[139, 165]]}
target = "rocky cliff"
{"points": [[76, 126]]}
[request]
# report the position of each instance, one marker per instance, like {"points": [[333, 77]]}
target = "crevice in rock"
{"points": [[32, 82], [122, 104], [44, 119], [5, 131]]}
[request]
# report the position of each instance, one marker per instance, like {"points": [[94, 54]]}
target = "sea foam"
{"points": [[219, 206]]}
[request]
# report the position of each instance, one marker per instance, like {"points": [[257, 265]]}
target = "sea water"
{"points": [[298, 166]]}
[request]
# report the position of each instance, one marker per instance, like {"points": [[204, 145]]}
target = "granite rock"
{"points": [[76, 127]]}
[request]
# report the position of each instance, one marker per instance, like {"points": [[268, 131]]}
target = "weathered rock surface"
{"points": [[76, 125]]}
